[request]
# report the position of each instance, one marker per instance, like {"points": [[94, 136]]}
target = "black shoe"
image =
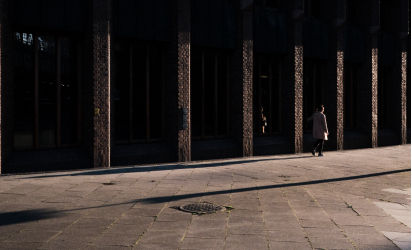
{"points": [[313, 152], [320, 155]]}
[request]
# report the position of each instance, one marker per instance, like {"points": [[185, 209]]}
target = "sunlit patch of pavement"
{"points": [[402, 213]]}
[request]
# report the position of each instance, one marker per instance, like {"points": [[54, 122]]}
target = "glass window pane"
{"points": [[69, 90], [196, 97], [140, 75], [121, 91], [24, 91], [222, 94], [156, 86], [47, 90], [209, 92]]}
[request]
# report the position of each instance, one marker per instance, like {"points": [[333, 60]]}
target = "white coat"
{"points": [[320, 127]]}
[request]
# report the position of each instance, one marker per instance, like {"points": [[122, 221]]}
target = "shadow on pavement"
{"points": [[162, 199], [9, 218], [162, 167]]}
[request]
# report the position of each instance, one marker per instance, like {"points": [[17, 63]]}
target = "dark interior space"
{"points": [[213, 38], [138, 92], [389, 80], [314, 89], [351, 82], [210, 97], [138, 95], [268, 103]]}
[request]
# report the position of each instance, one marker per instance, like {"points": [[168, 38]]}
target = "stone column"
{"points": [[340, 63], [404, 86], [368, 84], [297, 77], [405, 43], [183, 80], [374, 89], [101, 41], [2, 79], [374, 41], [340, 54], [247, 76]]}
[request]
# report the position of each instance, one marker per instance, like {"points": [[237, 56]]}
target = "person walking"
{"points": [[320, 130]]}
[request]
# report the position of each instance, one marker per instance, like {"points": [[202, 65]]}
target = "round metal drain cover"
{"points": [[202, 208]]}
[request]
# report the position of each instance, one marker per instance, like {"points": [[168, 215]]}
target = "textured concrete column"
{"points": [[247, 82], [340, 63], [374, 31], [374, 90], [183, 79], [101, 82], [2, 79], [339, 91], [404, 86], [404, 46], [297, 78]]}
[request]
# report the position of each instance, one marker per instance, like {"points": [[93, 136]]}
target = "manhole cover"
{"points": [[202, 208]]}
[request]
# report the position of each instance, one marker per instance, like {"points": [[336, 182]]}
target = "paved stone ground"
{"points": [[355, 199]]}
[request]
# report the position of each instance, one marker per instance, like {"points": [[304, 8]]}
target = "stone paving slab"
{"points": [[402, 240], [355, 199]]}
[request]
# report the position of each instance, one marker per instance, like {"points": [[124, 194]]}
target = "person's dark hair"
{"points": [[319, 107]]}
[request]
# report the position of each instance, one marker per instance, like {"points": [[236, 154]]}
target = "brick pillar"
{"points": [[183, 79], [2, 79], [339, 90], [404, 86], [369, 84], [404, 46], [374, 90], [101, 82], [340, 63], [247, 79], [297, 78]]}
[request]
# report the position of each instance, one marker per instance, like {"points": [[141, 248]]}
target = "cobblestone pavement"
{"points": [[355, 199]]}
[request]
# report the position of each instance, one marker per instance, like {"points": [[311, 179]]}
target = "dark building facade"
{"points": [[103, 83]]}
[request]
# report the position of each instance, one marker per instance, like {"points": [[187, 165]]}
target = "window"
{"points": [[313, 8], [139, 91], [385, 108], [350, 95], [274, 4], [210, 93], [267, 95], [47, 86], [352, 12], [313, 88]]}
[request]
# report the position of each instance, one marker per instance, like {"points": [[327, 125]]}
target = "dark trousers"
{"points": [[318, 146]]}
